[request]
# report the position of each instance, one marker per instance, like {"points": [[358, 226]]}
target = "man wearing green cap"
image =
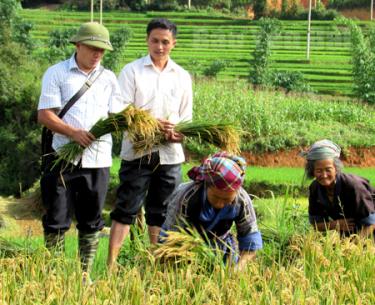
{"points": [[81, 189]]}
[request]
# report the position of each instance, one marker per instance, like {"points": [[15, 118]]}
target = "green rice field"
{"points": [[203, 39], [296, 265]]}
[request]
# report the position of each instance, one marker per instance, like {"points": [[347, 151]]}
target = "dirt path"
{"points": [[358, 157], [20, 217]]}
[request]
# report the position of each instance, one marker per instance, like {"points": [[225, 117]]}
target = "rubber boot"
{"points": [[55, 242], [87, 244]]}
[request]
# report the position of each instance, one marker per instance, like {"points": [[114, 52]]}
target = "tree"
{"points": [[363, 61], [119, 39], [19, 132], [261, 56], [259, 8]]}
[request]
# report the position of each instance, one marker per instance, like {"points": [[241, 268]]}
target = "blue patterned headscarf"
{"points": [[321, 150]]}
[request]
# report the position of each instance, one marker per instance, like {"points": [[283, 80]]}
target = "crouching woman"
{"points": [[212, 202], [337, 201]]}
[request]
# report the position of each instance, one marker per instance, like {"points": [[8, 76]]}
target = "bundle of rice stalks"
{"points": [[223, 135], [186, 246], [137, 122]]}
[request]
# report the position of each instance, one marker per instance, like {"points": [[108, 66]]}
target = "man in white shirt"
{"points": [[82, 187], [157, 84]]}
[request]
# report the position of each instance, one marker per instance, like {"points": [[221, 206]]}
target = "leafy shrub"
{"points": [[239, 11], [290, 81], [119, 39], [259, 7], [34, 3], [316, 14], [195, 67], [219, 4], [12, 27], [215, 67], [86, 5], [341, 4], [59, 47], [19, 132], [164, 5], [135, 5]]}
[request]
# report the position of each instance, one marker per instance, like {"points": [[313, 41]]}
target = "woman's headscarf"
{"points": [[221, 170], [321, 150]]}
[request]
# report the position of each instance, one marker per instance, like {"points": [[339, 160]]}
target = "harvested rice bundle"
{"points": [[225, 136], [186, 247], [137, 122]]}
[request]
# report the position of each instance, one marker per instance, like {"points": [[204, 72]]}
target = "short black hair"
{"points": [[162, 23]]}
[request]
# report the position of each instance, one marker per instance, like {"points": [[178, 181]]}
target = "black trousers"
{"points": [[145, 180], [77, 191]]}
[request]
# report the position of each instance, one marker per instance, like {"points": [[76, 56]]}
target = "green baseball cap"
{"points": [[93, 34]]}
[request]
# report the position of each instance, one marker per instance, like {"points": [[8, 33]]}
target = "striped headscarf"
{"points": [[221, 170], [321, 150]]}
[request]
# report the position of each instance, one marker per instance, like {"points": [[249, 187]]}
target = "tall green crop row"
{"points": [[274, 121]]}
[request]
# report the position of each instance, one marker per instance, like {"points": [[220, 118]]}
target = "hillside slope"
{"points": [[203, 39]]}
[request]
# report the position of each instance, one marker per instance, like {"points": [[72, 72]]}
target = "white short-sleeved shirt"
{"points": [[166, 94], [60, 83]]}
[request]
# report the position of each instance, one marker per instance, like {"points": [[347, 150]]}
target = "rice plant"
{"points": [[187, 246], [325, 269], [137, 122], [222, 135]]}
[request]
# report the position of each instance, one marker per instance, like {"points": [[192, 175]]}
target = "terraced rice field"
{"points": [[203, 39]]}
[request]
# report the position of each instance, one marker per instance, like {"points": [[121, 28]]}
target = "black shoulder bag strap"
{"points": [[47, 134], [88, 83]]}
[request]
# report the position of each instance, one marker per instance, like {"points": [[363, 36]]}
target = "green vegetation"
{"points": [[260, 73], [276, 175], [260, 181], [19, 89], [202, 39], [363, 58], [296, 266], [348, 4], [273, 120]]}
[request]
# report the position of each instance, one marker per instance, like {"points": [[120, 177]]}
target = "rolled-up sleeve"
{"points": [[50, 96], [251, 242], [173, 202]]}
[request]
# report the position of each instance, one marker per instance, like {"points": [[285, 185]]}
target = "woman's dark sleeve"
{"points": [[316, 213], [174, 202], [362, 195]]}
